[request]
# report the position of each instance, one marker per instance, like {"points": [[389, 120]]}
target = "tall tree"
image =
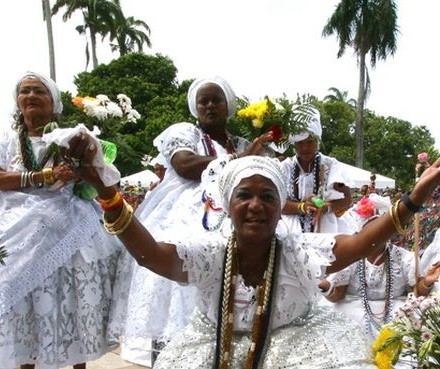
{"points": [[99, 18], [368, 26], [129, 35], [47, 17]]}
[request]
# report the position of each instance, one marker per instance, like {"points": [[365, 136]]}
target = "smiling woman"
{"points": [[56, 285]]}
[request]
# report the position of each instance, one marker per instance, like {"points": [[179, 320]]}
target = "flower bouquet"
{"points": [[414, 333], [280, 116], [104, 115]]}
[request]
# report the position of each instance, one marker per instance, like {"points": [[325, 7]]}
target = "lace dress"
{"points": [[56, 286], [330, 173], [375, 275], [301, 336], [149, 306]]}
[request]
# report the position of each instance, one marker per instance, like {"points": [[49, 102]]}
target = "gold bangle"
{"points": [[48, 176], [394, 213], [301, 207], [122, 221]]}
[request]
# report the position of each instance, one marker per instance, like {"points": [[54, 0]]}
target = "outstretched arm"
{"points": [[160, 258], [350, 248]]}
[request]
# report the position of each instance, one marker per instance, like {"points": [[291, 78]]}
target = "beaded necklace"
{"points": [[376, 320], [210, 150], [208, 207], [28, 158], [226, 309], [209, 146], [293, 191]]}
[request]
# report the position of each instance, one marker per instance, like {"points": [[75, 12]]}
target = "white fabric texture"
{"points": [[303, 258], [56, 286], [300, 336], [375, 275], [150, 306], [108, 174], [430, 256], [333, 173]]}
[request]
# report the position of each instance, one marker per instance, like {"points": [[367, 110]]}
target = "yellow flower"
{"points": [[387, 348], [257, 123]]}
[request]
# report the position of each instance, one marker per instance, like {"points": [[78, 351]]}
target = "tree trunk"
{"points": [[359, 128], [48, 18], [93, 46]]}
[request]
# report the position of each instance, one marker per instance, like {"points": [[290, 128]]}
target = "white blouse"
{"points": [[302, 260]]}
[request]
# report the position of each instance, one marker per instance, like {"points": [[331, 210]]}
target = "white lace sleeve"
{"points": [[178, 137], [341, 278], [202, 259]]}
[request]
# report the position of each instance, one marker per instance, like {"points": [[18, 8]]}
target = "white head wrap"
{"points": [[231, 99], [49, 83], [314, 127], [247, 166]]}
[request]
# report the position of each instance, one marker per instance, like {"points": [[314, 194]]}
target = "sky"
{"points": [[261, 47]]}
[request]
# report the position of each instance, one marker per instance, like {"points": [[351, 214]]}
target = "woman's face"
{"points": [[306, 149], [35, 101], [255, 208], [212, 106]]}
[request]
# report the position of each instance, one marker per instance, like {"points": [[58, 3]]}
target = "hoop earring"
{"points": [[281, 230]]}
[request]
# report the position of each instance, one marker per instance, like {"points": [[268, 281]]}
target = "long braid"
{"points": [[224, 334], [22, 136]]}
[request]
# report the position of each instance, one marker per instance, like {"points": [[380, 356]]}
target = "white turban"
{"points": [[313, 127], [49, 83], [247, 166], [231, 99]]}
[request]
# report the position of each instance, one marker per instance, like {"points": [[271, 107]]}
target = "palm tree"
{"points": [[48, 18], [128, 35], [369, 26], [338, 95], [99, 18]]}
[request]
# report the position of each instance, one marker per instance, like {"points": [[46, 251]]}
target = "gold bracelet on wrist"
{"points": [[394, 213], [48, 176], [122, 221], [302, 207]]}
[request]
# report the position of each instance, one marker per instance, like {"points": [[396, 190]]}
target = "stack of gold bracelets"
{"points": [[28, 178], [302, 207], [394, 213], [123, 220]]}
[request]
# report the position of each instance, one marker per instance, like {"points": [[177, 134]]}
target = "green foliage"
{"points": [[391, 145], [150, 82]]}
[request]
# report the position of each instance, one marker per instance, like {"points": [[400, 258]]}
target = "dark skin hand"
{"points": [[163, 259], [190, 166]]}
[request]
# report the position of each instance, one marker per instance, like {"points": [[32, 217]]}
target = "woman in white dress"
{"points": [[256, 292], [56, 284], [178, 205], [373, 288], [314, 175]]}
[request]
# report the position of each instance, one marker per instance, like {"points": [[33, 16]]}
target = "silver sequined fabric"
{"points": [[328, 340]]}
